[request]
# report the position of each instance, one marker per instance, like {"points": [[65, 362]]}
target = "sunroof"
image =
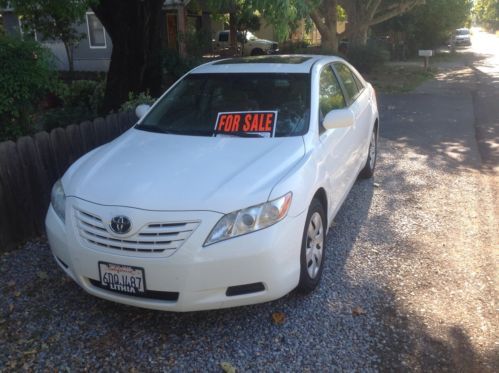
{"points": [[265, 59]]}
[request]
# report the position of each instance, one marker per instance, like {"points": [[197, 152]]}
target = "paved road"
{"points": [[446, 137], [410, 279]]}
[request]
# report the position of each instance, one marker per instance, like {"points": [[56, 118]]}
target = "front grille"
{"points": [[163, 238]]}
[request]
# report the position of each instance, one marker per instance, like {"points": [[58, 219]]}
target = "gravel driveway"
{"points": [[410, 280]]}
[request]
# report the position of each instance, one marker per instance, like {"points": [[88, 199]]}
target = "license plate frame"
{"points": [[118, 278]]}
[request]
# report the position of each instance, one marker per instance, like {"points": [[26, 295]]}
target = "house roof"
{"points": [[263, 64]]}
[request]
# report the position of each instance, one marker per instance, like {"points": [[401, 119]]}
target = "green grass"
{"points": [[398, 79]]}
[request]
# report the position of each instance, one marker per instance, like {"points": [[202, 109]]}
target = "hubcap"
{"points": [[315, 244], [372, 151]]}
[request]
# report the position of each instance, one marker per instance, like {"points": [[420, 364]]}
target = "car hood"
{"points": [[154, 171]]}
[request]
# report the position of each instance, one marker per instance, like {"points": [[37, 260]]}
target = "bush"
{"points": [[367, 57], [292, 47], [135, 100], [174, 66], [87, 94], [26, 76], [62, 117], [81, 101]]}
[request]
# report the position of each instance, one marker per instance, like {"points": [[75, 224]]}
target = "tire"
{"points": [[368, 171], [312, 248], [257, 52]]}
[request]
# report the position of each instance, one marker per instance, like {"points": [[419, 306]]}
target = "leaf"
{"points": [[227, 367], [358, 311], [42, 275], [278, 318]]}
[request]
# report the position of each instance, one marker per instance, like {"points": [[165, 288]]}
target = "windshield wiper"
{"points": [[149, 128], [241, 134], [154, 128]]}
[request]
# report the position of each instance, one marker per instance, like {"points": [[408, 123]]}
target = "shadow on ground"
{"points": [[49, 322]]}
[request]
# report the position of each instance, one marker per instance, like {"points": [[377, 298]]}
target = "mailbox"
{"points": [[425, 53]]}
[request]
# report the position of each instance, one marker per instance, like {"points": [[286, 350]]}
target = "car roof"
{"points": [[295, 63]]}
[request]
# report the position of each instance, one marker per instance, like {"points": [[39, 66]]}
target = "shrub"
{"points": [[63, 116], [366, 57], [84, 93], [26, 76], [174, 66], [135, 100], [81, 99], [291, 47]]}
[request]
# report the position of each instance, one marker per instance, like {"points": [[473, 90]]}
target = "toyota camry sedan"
{"points": [[222, 193]]}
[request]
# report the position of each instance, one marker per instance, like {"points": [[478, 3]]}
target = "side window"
{"points": [[223, 37], [359, 83], [330, 94], [348, 80]]}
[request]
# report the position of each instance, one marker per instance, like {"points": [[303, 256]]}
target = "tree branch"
{"points": [[317, 19], [395, 11]]}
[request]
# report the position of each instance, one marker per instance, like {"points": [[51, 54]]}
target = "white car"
{"points": [[222, 194], [461, 36], [248, 44]]}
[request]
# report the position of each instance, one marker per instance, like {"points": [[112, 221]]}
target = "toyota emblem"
{"points": [[120, 224]]}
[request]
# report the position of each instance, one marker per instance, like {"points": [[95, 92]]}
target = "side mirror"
{"points": [[338, 118], [142, 110]]}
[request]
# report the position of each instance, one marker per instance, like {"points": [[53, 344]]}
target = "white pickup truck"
{"points": [[252, 46]]}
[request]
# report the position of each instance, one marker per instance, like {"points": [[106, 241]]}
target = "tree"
{"points": [[362, 14], [247, 21], [53, 19], [429, 25], [134, 28], [487, 13]]}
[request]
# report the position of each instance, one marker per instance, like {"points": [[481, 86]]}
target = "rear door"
{"points": [[337, 147], [359, 101]]}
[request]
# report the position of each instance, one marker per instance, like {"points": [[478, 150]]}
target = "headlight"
{"points": [[58, 200], [250, 219]]}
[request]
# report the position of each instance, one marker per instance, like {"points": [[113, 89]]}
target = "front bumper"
{"points": [[200, 275], [462, 41]]}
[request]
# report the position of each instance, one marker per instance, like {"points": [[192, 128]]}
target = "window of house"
{"points": [[223, 37], [26, 31], [96, 32], [330, 94]]}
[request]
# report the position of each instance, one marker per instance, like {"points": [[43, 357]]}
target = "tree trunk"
{"points": [[358, 36], [134, 28], [233, 33], [362, 15], [325, 18]]}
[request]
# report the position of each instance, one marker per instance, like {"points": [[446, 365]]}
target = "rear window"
{"points": [[194, 104]]}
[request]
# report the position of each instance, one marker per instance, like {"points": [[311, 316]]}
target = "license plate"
{"points": [[122, 278]]}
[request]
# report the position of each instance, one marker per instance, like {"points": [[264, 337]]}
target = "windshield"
{"points": [[462, 32], [196, 104]]}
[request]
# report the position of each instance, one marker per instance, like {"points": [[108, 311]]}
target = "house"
{"points": [[93, 53]]}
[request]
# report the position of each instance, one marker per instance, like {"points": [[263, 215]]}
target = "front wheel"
{"points": [[368, 170], [312, 248]]}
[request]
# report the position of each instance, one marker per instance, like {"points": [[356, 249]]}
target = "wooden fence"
{"points": [[30, 166]]}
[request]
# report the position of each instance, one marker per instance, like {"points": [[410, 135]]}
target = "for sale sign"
{"points": [[258, 122]]}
